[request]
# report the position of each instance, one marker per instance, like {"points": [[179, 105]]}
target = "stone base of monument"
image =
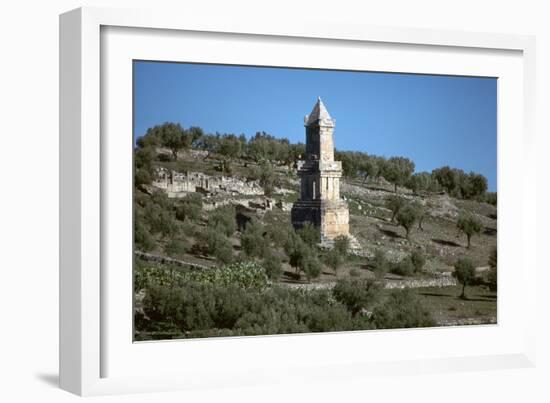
{"points": [[330, 216]]}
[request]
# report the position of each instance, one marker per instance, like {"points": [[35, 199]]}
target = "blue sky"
{"points": [[433, 120]]}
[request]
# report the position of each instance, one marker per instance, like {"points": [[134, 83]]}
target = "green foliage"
{"points": [[341, 245], [280, 234], [310, 234], [253, 242], [223, 218], [176, 248], [230, 146], [218, 245], [459, 184], [380, 264], [204, 310], [356, 294], [401, 309], [266, 177], [470, 225], [418, 260], [190, 207], [464, 273], [246, 275], [310, 265], [398, 171], [334, 260], [338, 254], [395, 204], [142, 238], [422, 182], [404, 267], [272, 265], [407, 216], [158, 214]]}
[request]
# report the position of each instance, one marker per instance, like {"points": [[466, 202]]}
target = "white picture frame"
{"points": [[97, 355]]}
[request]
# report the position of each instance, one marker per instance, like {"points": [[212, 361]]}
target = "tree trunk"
{"points": [[463, 295], [468, 236], [395, 187]]}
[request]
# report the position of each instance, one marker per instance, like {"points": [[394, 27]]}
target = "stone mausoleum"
{"points": [[320, 202]]}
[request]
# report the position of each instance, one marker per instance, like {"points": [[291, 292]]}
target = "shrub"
{"points": [[190, 207], [280, 234], [401, 309], [356, 294], [273, 266], [418, 260], [253, 242], [334, 260], [380, 264], [224, 219], [354, 272], [464, 273], [310, 234], [160, 220], [395, 204], [218, 245], [404, 267], [206, 310], [311, 266], [341, 245], [407, 216], [176, 248], [470, 225], [142, 239]]}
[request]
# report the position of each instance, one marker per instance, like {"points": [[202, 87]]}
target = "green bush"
{"points": [[176, 248], [341, 245], [418, 260], [401, 309], [253, 242], [356, 294], [334, 260], [272, 265], [470, 225], [464, 273], [379, 263], [142, 238], [407, 216], [205, 310], [310, 234], [395, 204], [224, 219], [247, 275], [280, 234], [404, 267], [190, 207], [218, 245]]}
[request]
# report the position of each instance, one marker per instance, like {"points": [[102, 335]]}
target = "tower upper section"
{"points": [[319, 133]]}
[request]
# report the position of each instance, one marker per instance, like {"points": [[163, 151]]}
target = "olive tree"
{"points": [[470, 225], [406, 218], [464, 273]]}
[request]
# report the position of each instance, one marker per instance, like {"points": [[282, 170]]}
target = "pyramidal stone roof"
{"points": [[319, 112]]}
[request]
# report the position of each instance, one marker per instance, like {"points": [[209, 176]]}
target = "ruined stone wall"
{"points": [[177, 184]]}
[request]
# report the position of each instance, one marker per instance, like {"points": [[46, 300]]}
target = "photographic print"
{"points": [[272, 200]]}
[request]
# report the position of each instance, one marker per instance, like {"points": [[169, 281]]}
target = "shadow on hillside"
{"points": [[490, 231], [390, 233], [445, 242]]}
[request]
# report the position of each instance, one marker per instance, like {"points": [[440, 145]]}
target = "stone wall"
{"points": [[178, 184]]}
